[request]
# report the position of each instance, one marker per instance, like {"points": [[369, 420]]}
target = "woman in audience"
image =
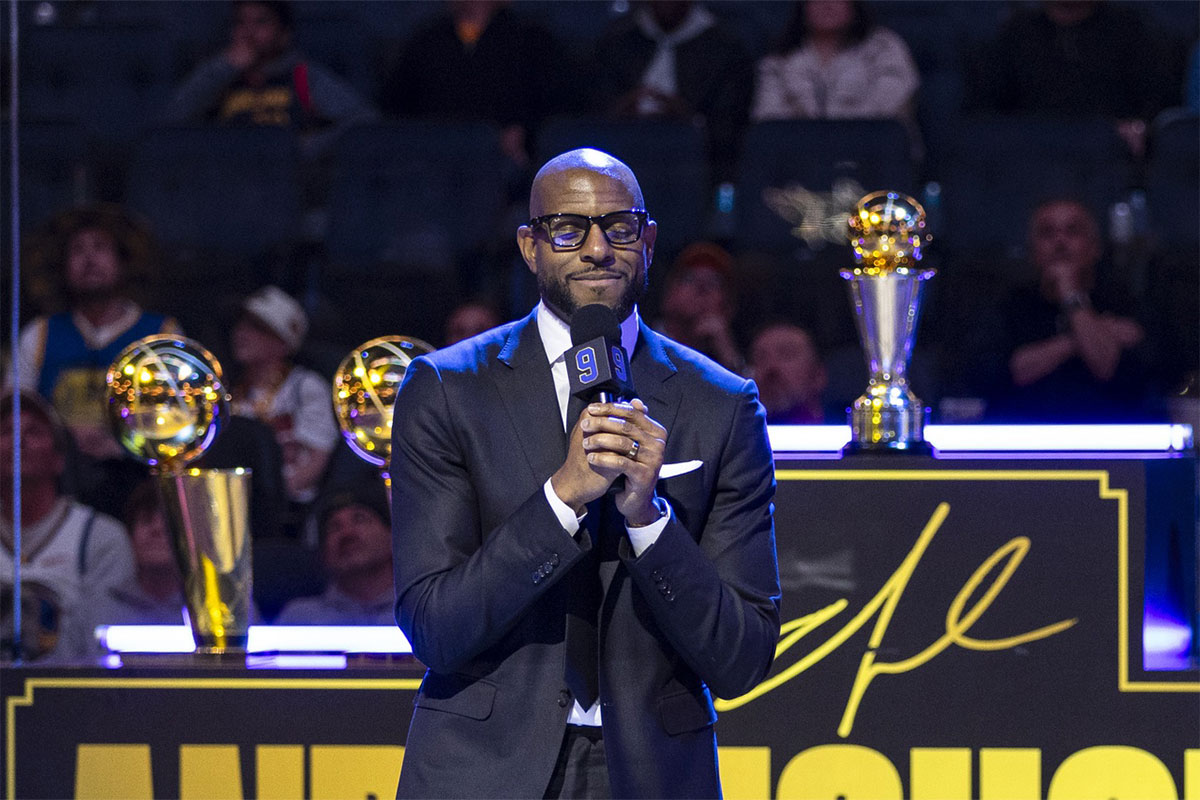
{"points": [[832, 63]]}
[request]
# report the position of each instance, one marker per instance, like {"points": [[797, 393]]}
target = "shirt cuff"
{"points": [[641, 538], [566, 515]]}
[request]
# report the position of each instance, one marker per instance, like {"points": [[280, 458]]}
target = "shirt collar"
{"points": [[556, 334]]}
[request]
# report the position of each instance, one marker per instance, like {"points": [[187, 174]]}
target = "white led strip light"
{"points": [[1002, 438], [384, 639]]}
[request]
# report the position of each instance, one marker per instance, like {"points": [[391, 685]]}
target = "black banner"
{"points": [[953, 629]]}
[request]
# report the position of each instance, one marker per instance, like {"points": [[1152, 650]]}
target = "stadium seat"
{"points": [[112, 79], [1172, 178], [1000, 168], [412, 205], [814, 171]]}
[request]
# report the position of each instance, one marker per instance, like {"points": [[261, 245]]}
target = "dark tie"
{"points": [[583, 603], [583, 611]]}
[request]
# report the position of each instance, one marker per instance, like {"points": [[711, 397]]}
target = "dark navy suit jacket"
{"points": [[483, 568]]}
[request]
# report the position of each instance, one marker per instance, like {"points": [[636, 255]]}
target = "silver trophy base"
{"points": [[887, 429]]}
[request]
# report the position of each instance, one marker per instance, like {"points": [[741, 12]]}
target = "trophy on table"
{"points": [[166, 403], [364, 393], [887, 230]]}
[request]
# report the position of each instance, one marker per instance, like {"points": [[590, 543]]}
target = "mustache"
{"points": [[600, 272]]}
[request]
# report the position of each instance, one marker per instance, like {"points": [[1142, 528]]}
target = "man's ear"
{"points": [[528, 246], [648, 237]]}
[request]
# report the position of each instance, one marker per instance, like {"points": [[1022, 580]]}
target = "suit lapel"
{"points": [[526, 388], [652, 370]]}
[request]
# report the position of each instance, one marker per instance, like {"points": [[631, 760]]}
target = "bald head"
{"points": [[559, 173], [591, 191]]}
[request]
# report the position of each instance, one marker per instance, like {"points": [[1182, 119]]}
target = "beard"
{"points": [[557, 295]]}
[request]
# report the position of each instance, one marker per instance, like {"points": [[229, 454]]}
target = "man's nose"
{"points": [[596, 248]]}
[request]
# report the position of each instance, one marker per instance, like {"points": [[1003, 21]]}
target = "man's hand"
{"points": [[1064, 277], [1125, 331], [610, 431], [600, 449]]}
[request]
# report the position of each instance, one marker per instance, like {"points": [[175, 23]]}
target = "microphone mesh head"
{"points": [[592, 321]]}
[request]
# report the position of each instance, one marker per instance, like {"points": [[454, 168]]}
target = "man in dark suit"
{"points": [[505, 525]]}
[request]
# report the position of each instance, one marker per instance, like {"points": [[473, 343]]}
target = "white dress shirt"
{"points": [[556, 340]]}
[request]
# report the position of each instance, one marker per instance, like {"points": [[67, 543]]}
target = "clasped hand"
{"points": [[602, 448]]}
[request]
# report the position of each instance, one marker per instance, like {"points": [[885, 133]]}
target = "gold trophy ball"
{"points": [[887, 230], [166, 400], [364, 391]]}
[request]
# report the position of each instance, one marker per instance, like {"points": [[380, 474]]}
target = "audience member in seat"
{"points": [[791, 377], [673, 59], [86, 267], [699, 304], [356, 553], [294, 400], [1074, 350], [480, 60], [71, 554], [469, 318], [154, 594], [1076, 57], [261, 78], [833, 63]]}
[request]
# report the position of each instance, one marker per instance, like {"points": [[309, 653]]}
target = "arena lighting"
{"points": [[1002, 438], [380, 639]]}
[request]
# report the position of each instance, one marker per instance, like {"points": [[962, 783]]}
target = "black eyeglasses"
{"points": [[570, 231]]}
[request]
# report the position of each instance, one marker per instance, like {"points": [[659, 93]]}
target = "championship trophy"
{"points": [[887, 230], [364, 392], [166, 404]]}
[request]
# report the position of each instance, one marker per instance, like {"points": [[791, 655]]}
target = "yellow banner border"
{"points": [[32, 684], [1106, 492]]}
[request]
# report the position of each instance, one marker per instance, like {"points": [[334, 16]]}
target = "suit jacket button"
{"points": [[564, 697], [669, 595], [554, 559], [548, 567], [537, 578], [656, 576]]}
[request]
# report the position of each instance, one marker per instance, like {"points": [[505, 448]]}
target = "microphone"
{"points": [[597, 364]]}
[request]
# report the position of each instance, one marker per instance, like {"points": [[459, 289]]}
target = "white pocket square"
{"points": [[678, 468]]}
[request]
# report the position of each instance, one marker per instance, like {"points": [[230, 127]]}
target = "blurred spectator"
{"points": [[1075, 352], [699, 303], [86, 266], [469, 318], [154, 595], [356, 553], [293, 400], [833, 63], [673, 59], [261, 78], [71, 554], [479, 60], [1080, 57], [791, 378]]}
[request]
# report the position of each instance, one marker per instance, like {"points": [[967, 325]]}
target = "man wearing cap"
{"points": [[293, 400], [575, 628], [356, 552]]}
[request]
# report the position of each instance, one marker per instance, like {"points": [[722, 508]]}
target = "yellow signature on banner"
{"points": [[960, 617]]}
